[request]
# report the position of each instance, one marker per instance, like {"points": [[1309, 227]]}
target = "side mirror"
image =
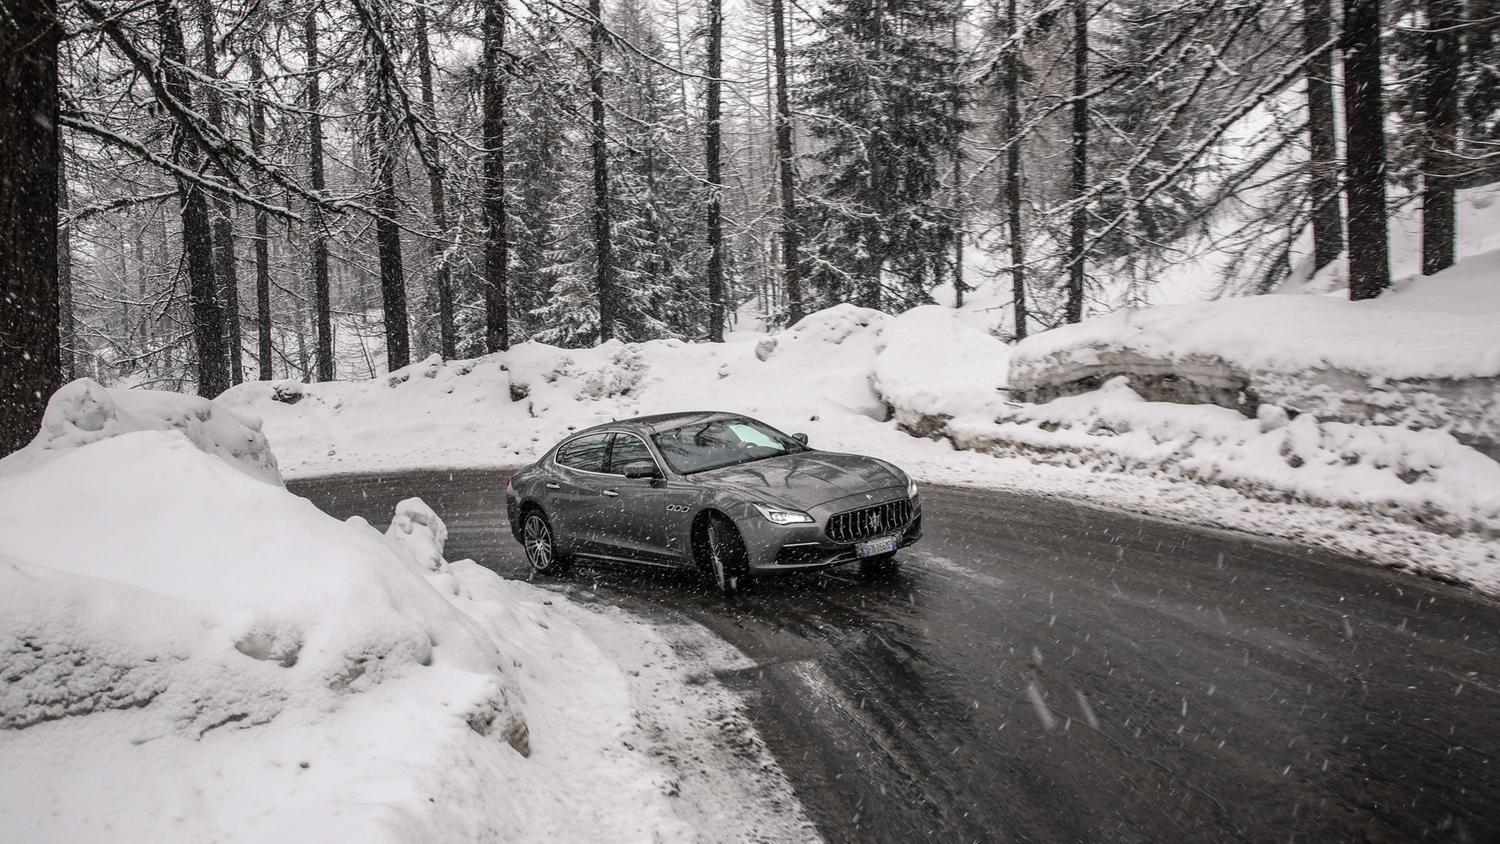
{"points": [[641, 469], [801, 438]]}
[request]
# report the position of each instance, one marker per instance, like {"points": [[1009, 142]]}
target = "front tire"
{"points": [[724, 554], [540, 542]]}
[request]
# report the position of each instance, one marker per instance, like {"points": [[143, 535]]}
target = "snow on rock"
{"points": [[930, 366], [1425, 354], [1422, 477], [191, 652], [85, 411]]}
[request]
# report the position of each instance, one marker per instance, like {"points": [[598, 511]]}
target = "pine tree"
{"points": [[540, 142], [881, 89]]}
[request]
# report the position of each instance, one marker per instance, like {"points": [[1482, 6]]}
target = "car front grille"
{"points": [[869, 522]]}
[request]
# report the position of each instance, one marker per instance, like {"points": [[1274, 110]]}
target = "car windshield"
{"points": [[722, 442]]}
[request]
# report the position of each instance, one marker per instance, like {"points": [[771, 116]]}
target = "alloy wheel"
{"points": [[537, 536]]}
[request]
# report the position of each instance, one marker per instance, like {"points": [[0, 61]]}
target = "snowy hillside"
{"points": [[192, 653]]}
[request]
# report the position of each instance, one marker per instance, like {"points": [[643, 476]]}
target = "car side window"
{"points": [[626, 450], [585, 453]]}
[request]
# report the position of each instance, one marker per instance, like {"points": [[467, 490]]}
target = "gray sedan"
{"points": [[719, 492]]}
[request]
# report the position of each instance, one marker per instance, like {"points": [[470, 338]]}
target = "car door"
{"points": [[638, 508], [576, 493]]}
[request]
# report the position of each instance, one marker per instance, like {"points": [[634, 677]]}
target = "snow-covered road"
{"points": [[1041, 670]]}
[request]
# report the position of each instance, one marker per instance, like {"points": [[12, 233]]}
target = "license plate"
{"points": [[883, 545]]}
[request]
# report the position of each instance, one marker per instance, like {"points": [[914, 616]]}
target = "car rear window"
{"points": [[586, 453]]}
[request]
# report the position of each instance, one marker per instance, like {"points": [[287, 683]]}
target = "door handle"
{"points": [[553, 486], [611, 493]]}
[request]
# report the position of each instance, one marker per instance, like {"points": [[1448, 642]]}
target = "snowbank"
{"points": [[1423, 477], [191, 652], [818, 377], [1426, 354], [84, 412], [931, 367]]}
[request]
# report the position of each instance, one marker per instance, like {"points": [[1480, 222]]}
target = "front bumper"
{"points": [[772, 548]]}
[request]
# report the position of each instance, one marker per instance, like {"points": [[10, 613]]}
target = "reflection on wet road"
{"points": [[1038, 670]]}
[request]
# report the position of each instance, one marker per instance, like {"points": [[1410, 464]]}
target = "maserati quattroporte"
{"points": [[719, 492]]}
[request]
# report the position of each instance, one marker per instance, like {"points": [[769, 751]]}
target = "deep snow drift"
{"points": [[191, 652]]}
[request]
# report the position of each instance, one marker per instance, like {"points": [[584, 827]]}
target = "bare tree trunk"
{"points": [[1441, 130], [713, 149], [1012, 69], [496, 249], [66, 319], [387, 233], [264, 326], [29, 338], [1078, 227], [197, 233], [604, 257], [791, 237], [322, 297], [1323, 184], [957, 160], [223, 221], [442, 273], [1364, 144]]}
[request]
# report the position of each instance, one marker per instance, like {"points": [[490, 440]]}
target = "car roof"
{"points": [[659, 422]]}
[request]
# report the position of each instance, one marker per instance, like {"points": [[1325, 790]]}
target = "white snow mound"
{"points": [[85, 411]]}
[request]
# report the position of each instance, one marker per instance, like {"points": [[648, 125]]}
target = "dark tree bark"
{"points": [[713, 149], [265, 348], [1440, 106], [442, 273], [197, 232], [496, 249], [1078, 227], [1323, 183], [66, 319], [223, 221], [604, 256], [29, 337], [322, 297], [387, 233], [1364, 143], [791, 239], [1012, 70], [956, 155]]}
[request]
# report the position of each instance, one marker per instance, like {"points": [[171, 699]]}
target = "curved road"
{"points": [[1044, 671]]}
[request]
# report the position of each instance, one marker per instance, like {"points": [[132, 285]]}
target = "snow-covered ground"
{"points": [[191, 652]]}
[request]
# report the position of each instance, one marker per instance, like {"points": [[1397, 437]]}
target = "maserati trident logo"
{"points": [[874, 522]]}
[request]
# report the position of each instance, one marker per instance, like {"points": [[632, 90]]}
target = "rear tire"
{"points": [[724, 554], [540, 542]]}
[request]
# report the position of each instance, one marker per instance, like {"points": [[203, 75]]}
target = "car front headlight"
{"points": [[911, 488], [777, 515]]}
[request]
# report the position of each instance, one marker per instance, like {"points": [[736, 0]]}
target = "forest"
{"points": [[196, 193]]}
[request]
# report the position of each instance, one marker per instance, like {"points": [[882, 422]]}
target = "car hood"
{"points": [[806, 479]]}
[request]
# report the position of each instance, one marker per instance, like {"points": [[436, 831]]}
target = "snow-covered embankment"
{"points": [[191, 652]]}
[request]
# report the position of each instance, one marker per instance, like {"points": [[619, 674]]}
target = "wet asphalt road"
{"points": [[1044, 671]]}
